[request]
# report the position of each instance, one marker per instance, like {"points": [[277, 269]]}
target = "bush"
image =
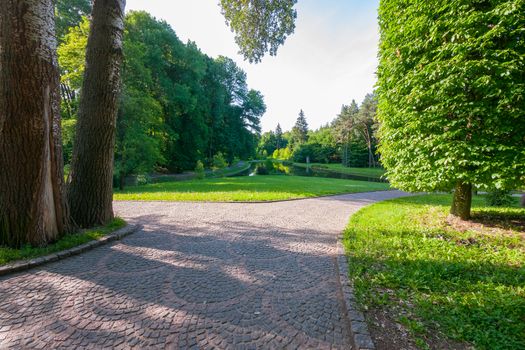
{"points": [[199, 170], [143, 179], [499, 198], [282, 153], [219, 162]]}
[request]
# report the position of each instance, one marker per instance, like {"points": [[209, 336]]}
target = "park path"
{"points": [[196, 275]]}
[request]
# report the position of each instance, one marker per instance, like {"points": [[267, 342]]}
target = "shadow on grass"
{"points": [[478, 302]]}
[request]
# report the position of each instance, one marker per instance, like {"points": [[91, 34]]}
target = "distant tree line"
{"points": [[349, 139]]}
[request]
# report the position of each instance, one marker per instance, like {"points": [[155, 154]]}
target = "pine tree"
{"points": [[300, 130], [278, 136]]}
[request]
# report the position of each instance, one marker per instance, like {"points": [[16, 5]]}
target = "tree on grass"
{"points": [[90, 191], [451, 84], [32, 206]]}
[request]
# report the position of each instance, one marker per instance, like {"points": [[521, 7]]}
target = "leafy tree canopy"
{"points": [[451, 90], [260, 26], [69, 13]]}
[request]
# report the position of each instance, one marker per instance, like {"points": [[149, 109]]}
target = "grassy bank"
{"points": [[8, 254], [247, 188], [437, 276], [368, 172]]}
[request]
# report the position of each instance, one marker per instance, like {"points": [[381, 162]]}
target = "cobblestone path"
{"points": [[196, 275]]}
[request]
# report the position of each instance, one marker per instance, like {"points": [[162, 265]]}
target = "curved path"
{"points": [[197, 275]]}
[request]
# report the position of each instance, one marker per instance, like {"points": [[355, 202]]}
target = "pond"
{"points": [[279, 168]]}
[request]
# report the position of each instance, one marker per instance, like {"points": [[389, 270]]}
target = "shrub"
{"points": [[499, 198], [219, 161], [143, 179], [199, 170]]}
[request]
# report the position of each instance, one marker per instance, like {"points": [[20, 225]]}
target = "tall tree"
{"points": [[91, 182], [32, 206], [259, 25], [451, 84], [300, 130], [364, 123], [278, 136], [343, 128]]}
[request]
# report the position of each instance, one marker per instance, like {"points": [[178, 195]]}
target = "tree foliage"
{"points": [[451, 90], [300, 130], [260, 26], [177, 105], [69, 13]]}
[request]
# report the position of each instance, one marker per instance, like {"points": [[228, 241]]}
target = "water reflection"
{"points": [[278, 168]]}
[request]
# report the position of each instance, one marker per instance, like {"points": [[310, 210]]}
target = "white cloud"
{"points": [[328, 61]]}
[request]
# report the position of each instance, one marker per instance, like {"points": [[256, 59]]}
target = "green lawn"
{"points": [[370, 172], [247, 188], [469, 285], [8, 254]]}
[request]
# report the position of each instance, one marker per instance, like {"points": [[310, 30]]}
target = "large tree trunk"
{"points": [[462, 201], [91, 187], [32, 206]]}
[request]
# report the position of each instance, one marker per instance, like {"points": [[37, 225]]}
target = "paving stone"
{"points": [[203, 275]]}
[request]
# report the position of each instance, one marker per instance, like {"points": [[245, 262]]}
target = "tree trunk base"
{"points": [[462, 201]]}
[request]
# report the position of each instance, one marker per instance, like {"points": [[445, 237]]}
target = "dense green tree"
{"points": [[299, 131], [343, 129], [140, 127], [320, 148], [260, 26], [69, 13], [279, 140], [451, 86], [267, 143], [71, 59]]}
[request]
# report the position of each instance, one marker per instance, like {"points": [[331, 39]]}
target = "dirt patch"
{"points": [[388, 334], [489, 223]]}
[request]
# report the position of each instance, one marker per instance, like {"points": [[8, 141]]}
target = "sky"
{"points": [[329, 60]]}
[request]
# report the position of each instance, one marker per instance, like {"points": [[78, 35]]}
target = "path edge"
{"points": [[22, 265], [358, 328], [255, 202]]}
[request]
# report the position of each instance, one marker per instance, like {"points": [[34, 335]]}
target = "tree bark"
{"points": [[91, 187], [462, 201], [32, 205]]}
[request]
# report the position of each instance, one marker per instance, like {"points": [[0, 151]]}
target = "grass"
{"points": [[466, 281], [368, 172], [247, 188], [28, 252]]}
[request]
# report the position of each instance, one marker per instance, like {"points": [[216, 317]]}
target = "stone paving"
{"points": [[196, 275]]}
